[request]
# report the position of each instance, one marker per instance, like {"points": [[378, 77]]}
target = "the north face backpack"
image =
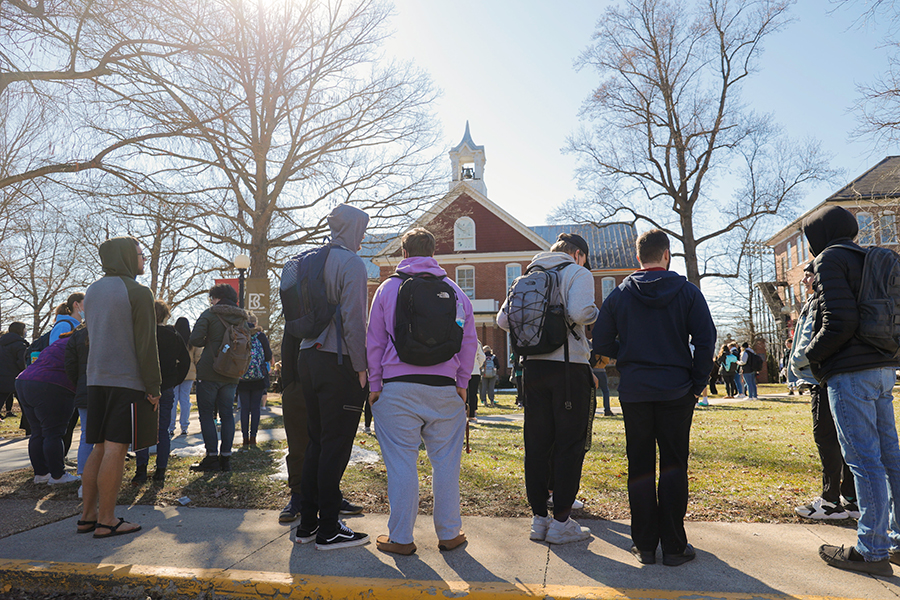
{"points": [[426, 329], [233, 357], [307, 311], [257, 368], [537, 318], [878, 300]]}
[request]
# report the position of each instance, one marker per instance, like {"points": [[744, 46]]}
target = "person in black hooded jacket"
{"points": [[860, 381], [12, 362]]}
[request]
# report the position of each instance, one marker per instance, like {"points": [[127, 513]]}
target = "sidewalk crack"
{"points": [[260, 549], [546, 567]]}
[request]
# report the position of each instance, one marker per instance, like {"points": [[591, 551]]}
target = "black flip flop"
{"points": [[114, 529], [93, 525]]}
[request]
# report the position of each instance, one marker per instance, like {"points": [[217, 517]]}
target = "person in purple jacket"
{"points": [[413, 403], [48, 400]]}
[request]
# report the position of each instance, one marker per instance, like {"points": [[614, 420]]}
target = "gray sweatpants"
{"points": [[407, 413]]}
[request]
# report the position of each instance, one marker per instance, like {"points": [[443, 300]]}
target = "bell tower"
{"points": [[467, 163]]}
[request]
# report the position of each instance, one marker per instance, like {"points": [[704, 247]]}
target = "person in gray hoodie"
{"points": [[556, 423], [122, 369], [331, 371]]}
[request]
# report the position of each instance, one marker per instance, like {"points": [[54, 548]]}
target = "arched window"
{"points": [[465, 279], [607, 285], [513, 270], [866, 229], [464, 234]]}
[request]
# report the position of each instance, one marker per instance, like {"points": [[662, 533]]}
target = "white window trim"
{"points": [[506, 272], [456, 239], [604, 296], [869, 231], [466, 268]]}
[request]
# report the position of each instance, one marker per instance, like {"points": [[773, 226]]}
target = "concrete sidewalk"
{"points": [[246, 553]]}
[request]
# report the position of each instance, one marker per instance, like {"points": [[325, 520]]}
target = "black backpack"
{"points": [[754, 362], [41, 343], [426, 328], [878, 300], [304, 301]]}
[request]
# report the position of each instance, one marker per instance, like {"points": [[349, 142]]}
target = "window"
{"points": [[789, 259], [866, 229], [464, 234], [512, 271], [465, 279], [783, 269], [889, 229], [607, 285]]}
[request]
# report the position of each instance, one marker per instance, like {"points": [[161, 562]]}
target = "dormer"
{"points": [[467, 163]]}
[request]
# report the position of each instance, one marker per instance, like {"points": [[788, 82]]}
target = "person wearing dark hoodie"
{"points": [[860, 380], [557, 422], [331, 371], [216, 392], [174, 362], [13, 346], [658, 389], [122, 369], [183, 389]]}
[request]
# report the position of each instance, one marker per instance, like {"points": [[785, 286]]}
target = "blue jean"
{"points": [[216, 397], [48, 408], [750, 384], [163, 444], [84, 449], [183, 403], [739, 383], [250, 401], [862, 406]]}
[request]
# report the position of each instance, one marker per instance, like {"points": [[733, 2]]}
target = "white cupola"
{"points": [[467, 163]]}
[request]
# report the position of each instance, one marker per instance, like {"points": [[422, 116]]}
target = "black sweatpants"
{"points": [[657, 515], [334, 403], [472, 395], [293, 405], [555, 431], [836, 476]]}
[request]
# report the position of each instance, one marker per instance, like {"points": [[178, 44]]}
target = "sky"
{"points": [[507, 67]]}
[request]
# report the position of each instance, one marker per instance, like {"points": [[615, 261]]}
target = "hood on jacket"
{"points": [[828, 225], [654, 288], [420, 264], [348, 226], [230, 312], [548, 260], [119, 256], [10, 338]]}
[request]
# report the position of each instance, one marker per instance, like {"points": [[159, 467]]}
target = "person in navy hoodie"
{"points": [[659, 386]]}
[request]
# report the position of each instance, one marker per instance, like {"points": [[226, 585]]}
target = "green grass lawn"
{"points": [[750, 461]]}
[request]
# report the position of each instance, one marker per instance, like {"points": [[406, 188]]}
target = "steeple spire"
{"points": [[467, 163]]}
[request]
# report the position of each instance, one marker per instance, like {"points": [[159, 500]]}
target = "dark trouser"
{"points": [[251, 401], [657, 515], [555, 431], [48, 408], [472, 395], [216, 397], [712, 381], [293, 405], [163, 444], [730, 387], [520, 392], [8, 402], [837, 479], [70, 430], [367, 414], [603, 386], [334, 403]]}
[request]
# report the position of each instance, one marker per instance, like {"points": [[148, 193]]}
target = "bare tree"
{"points": [[286, 109], [666, 127]]}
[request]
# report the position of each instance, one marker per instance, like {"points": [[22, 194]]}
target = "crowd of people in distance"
{"points": [[418, 369]]}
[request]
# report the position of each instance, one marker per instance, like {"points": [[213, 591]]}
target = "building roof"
{"points": [[881, 181], [612, 246]]}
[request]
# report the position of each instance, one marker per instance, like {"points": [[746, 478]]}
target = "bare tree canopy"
{"points": [[666, 130]]}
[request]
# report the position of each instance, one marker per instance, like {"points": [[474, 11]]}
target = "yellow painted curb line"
{"points": [[170, 582]]}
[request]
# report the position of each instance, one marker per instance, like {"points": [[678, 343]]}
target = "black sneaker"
{"points": [[159, 476], [350, 509], [140, 475], [674, 560], [851, 560], [306, 534], [210, 462], [344, 537], [224, 462], [289, 513]]}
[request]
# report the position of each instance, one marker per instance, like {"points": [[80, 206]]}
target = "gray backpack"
{"points": [[537, 317]]}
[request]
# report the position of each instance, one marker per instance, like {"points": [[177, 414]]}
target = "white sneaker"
{"points": [[577, 504], [539, 526], [66, 478], [42, 478], [821, 510], [563, 533]]}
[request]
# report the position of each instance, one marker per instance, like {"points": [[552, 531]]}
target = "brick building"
{"points": [[484, 248], [874, 197]]}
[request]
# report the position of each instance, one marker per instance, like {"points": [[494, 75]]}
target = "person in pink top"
{"points": [[420, 402]]}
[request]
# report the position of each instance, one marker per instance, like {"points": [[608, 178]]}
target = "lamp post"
{"points": [[241, 263]]}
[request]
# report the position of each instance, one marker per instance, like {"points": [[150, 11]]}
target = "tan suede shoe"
{"points": [[447, 545], [385, 544]]}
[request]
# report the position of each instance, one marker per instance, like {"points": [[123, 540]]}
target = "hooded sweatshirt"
{"points": [[576, 285], [834, 347], [649, 323], [381, 353], [12, 360], [345, 284], [208, 334], [121, 323]]}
